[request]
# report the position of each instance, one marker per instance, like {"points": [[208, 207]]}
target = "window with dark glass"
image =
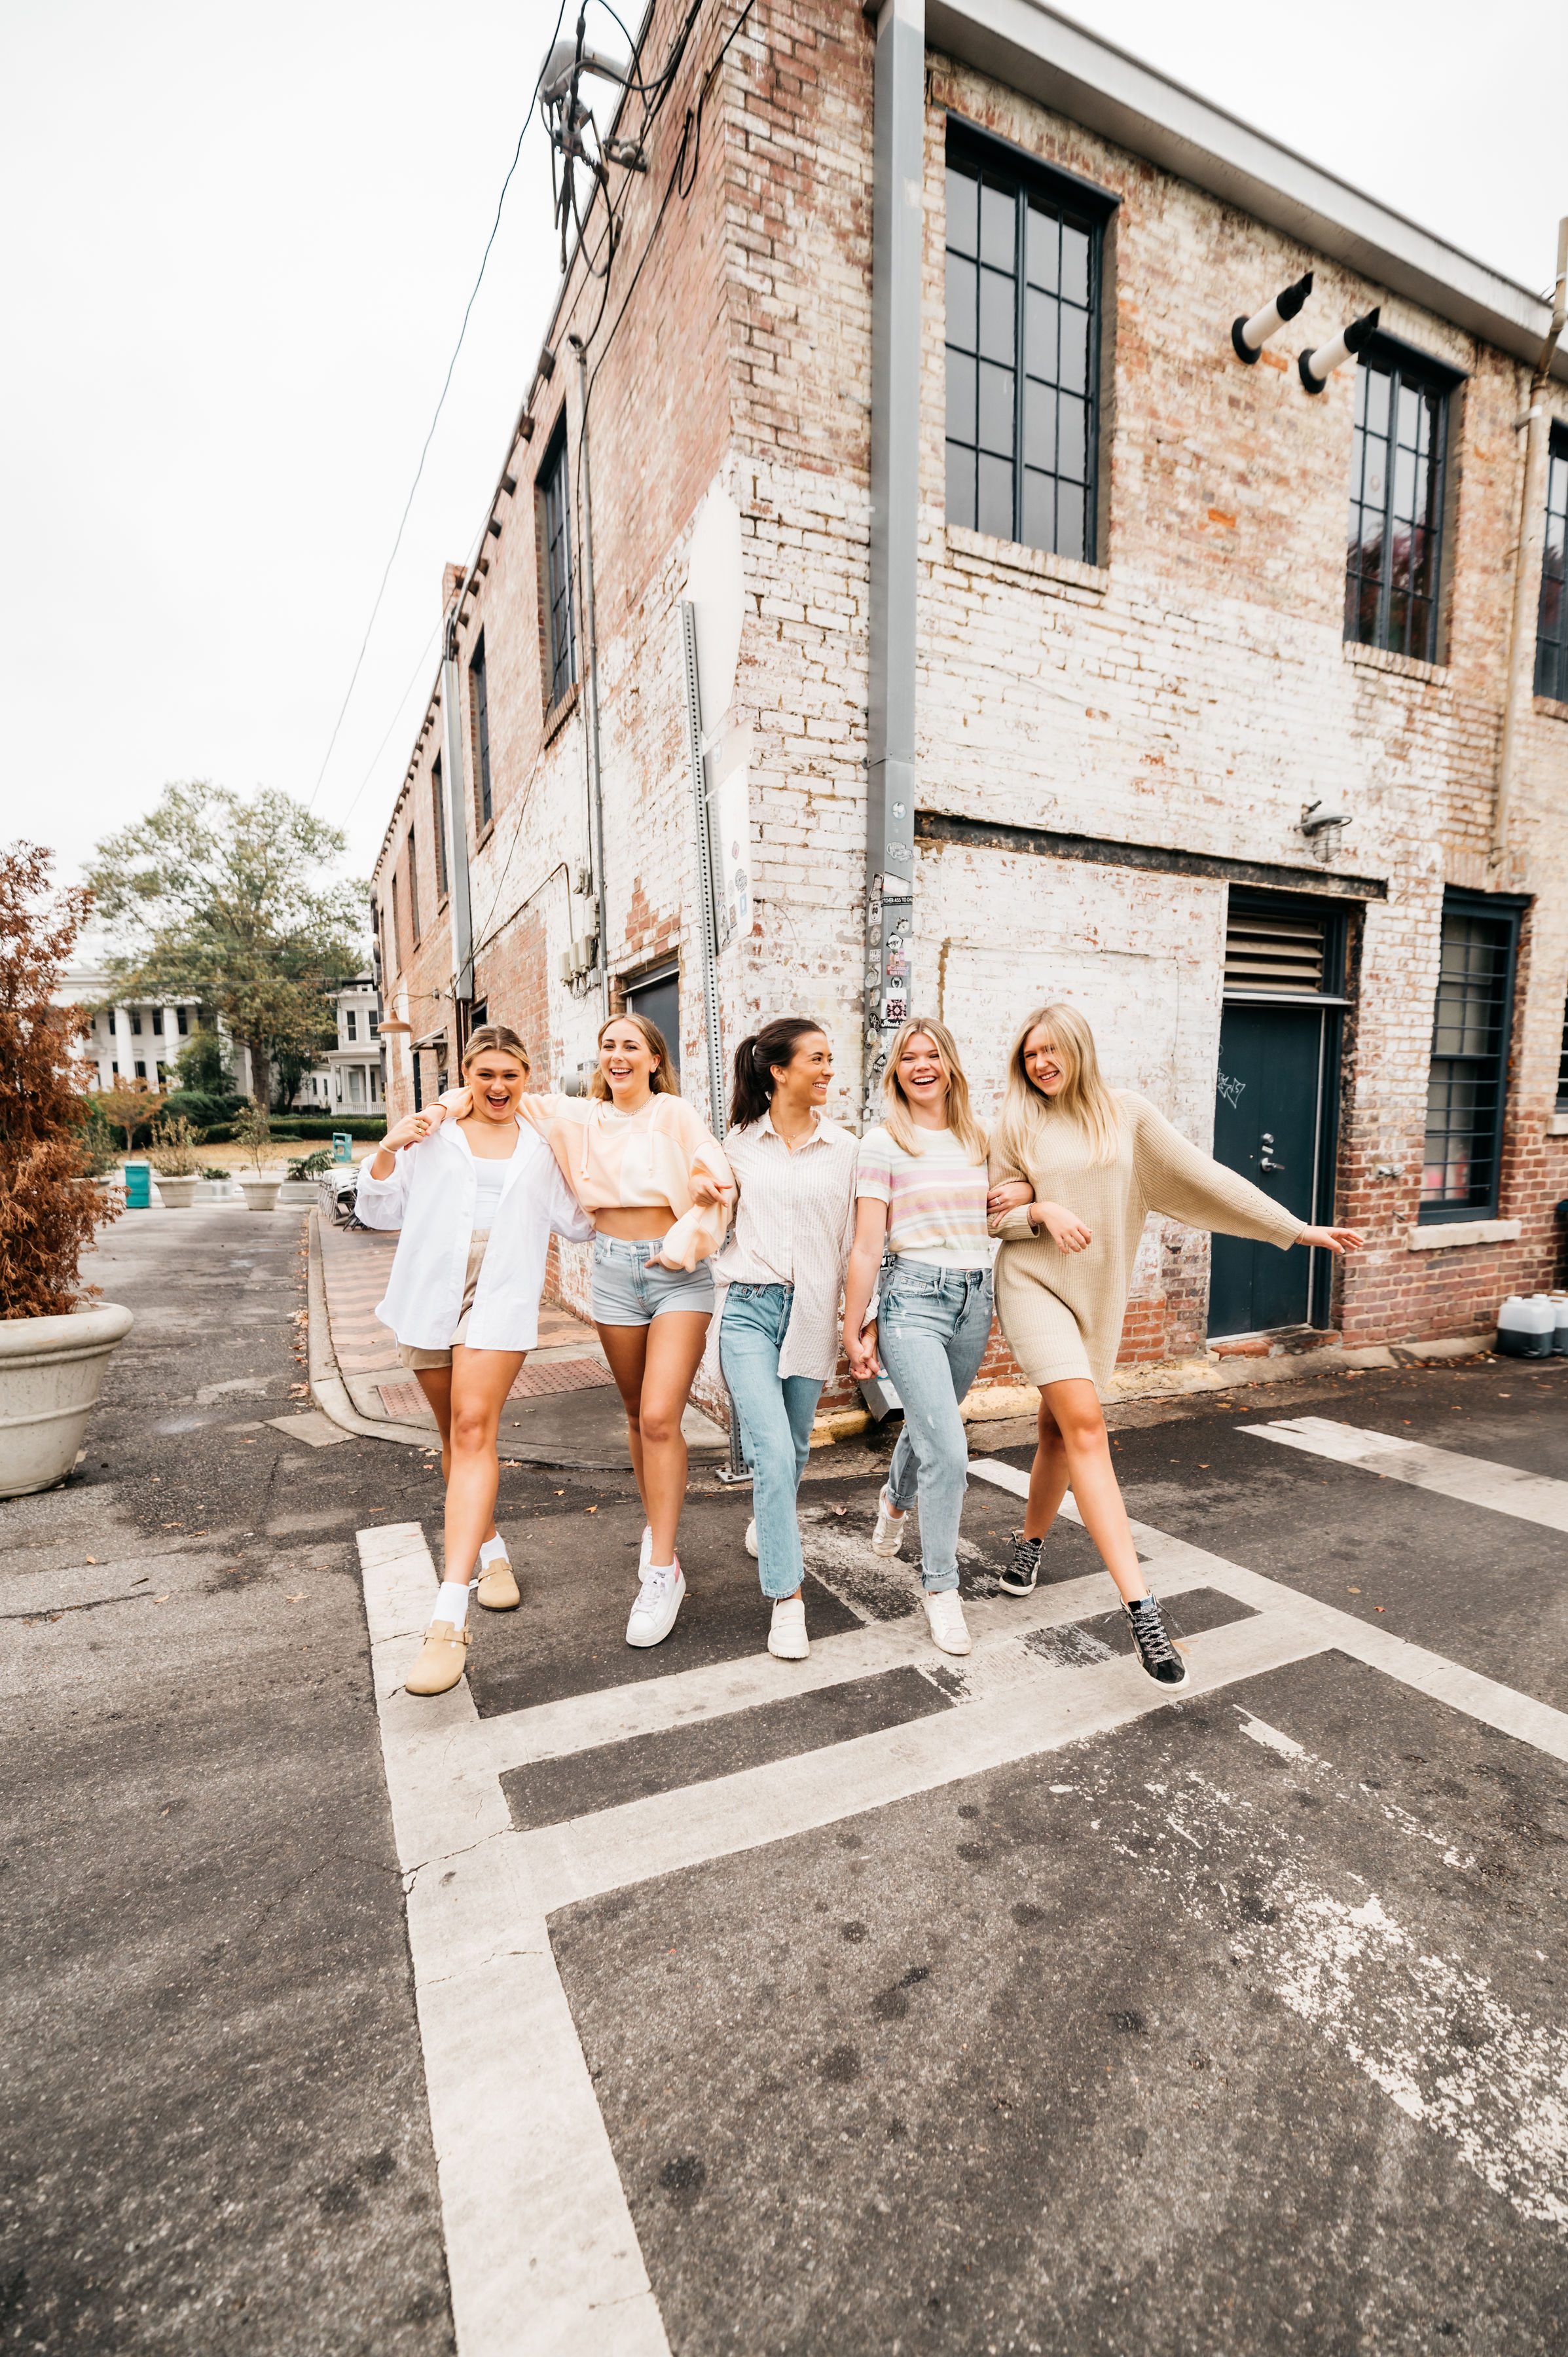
{"points": [[438, 828], [396, 931], [555, 539], [1552, 622], [479, 714], [1023, 281], [1467, 1082], [1562, 1067], [1394, 541], [413, 889]]}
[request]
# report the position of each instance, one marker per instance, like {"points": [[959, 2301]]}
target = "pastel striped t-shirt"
{"points": [[936, 1200]]}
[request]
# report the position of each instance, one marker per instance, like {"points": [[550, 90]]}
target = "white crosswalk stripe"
{"points": [[1472, 1480], [517, 2125]]}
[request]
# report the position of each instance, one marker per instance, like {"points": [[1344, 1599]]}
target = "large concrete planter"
{"points": [[178, 1194], [261, 1194], [50, 1370]]}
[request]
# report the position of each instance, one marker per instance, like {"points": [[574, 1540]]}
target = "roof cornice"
{"points": [[1031, 49]]}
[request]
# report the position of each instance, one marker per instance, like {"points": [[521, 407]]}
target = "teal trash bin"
{"points": [[138, 1186], [342, 1146]]}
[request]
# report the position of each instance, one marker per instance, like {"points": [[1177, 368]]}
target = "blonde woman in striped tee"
{"points": [[1076, 1169], [921, 1185]]}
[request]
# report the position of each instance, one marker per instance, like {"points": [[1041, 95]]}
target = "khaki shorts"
{"points": [[408, 1356]]}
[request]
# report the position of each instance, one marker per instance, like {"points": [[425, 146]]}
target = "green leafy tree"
{"points": [[231, 902], [200, 1065], [46, 1216]]}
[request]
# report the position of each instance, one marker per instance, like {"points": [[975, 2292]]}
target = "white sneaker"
{"points": [[949, 1627], [888, 1535], [659, 1600], [751, 1538], [787, 1638]]}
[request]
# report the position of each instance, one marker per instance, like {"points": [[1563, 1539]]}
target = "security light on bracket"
{"points": [[1247, 337], [1316, 820], [1316, 368]]}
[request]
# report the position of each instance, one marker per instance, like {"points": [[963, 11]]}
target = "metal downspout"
{"points": [[1527, 564], [898, 147], [457, 820], [596, 789]]}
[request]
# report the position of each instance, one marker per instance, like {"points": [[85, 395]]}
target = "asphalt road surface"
{"points": [[689, 2000]]}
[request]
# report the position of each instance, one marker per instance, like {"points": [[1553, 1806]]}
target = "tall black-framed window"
{"points": [[438, 828], [1466, 1086], [1562, 1067], [1394, 540], [412, 890], [555, 537], [1551, 621], [479, 714], [1023, 251]]}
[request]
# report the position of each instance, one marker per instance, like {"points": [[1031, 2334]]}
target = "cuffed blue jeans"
{"points": [[933, 1327], [776, 1415]]}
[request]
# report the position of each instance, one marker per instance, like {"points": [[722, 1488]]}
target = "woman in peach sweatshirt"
{"points": [[655, 1182]]}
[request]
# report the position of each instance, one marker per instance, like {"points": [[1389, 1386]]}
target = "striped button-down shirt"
{"points": [[794, 1223]]}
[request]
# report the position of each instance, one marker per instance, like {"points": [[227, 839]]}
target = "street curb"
{"points": [[327, 1388], [332, 1395]]}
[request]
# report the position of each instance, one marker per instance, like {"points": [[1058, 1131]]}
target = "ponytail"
{"points": [[754, 1058]]}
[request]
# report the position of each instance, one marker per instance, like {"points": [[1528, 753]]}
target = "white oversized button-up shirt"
{"points": [[794, 1224], [430, 1196]]}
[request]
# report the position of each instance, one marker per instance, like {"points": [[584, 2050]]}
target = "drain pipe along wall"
{"points": [[900, 109]]}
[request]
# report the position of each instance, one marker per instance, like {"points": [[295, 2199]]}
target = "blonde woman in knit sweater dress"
{"points": [[1075, 1170]]}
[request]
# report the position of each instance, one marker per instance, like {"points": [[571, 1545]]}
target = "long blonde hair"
{"points": [[1083, 1097], [897, 1120], [658, 1080]]}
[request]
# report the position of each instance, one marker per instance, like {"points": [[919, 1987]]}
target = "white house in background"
{"points": [[349, 1078], [140, 1040]]}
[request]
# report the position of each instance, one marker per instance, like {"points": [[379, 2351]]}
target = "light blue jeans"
{"points": [[932, 1327], [776, 1415]]}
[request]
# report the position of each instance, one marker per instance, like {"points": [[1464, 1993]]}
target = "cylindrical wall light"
{"points": [[1247, 337], [1317, 367]]}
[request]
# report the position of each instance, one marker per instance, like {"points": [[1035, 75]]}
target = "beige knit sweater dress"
{"points": [[1062, 1312]]}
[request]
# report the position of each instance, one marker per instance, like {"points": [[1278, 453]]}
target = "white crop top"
{"points": [[489, 1178]]}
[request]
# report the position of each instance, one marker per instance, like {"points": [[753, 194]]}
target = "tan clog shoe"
{"points": [[442, 1658], [498, 1590]]}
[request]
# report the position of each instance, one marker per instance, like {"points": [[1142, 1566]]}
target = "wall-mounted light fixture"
{"points": [[1317, 367], [1321, 825], [1247, 337]]}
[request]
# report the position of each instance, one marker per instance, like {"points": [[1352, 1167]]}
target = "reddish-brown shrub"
{"points": [[47, 1214]]}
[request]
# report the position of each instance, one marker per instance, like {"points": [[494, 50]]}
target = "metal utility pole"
{"points": [[597, 788], [898, 100], [736, 1469], [1527, 563], [457, 818]]}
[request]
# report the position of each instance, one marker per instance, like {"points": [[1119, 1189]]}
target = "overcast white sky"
{"points": [[237, 246]]}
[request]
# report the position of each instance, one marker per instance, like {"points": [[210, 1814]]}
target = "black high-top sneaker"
{"points": [[1156, 1655], [1020, 1574]]}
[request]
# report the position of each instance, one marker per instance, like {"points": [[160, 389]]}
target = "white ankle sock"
{"points": [[451, 1604], [491, 1552]]}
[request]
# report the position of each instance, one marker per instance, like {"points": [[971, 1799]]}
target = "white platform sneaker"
{"points": [[949, 1627], [888, 1535], [659, 1600]]}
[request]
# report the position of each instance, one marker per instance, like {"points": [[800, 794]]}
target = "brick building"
{"points": [[1053, 657]]}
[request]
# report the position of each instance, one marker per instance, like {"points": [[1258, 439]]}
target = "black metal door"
{"points": [[1267, 1124]]}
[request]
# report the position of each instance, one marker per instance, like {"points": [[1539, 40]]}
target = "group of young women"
{"points": [[899, 1244]]}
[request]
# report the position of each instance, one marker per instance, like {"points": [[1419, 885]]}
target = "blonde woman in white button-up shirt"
{"points": [[783, 1271], [476, 1201]]}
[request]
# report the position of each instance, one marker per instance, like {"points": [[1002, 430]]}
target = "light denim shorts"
{"points": [[627, 1292]]}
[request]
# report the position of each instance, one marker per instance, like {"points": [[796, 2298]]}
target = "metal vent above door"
{"points": [[1281, 956]]}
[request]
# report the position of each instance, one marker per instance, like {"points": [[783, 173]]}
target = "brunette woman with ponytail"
{"points": [[784, 1273]]}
